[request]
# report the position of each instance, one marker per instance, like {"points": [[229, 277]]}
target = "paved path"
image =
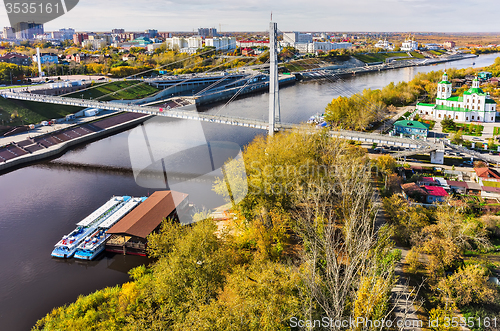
{"points": [[402, 299], [46, 129]]}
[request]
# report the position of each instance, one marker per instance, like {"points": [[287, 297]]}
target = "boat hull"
{"points": [[81, 255]]}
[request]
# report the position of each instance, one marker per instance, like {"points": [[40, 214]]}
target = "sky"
{"points": [[291, 15]]}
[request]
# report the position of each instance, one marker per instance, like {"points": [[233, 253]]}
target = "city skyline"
{"points": [[356, 15]]}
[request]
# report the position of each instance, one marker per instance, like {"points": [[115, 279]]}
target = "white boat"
{"points": [[68, 245], [316, 119], [94, 244]]}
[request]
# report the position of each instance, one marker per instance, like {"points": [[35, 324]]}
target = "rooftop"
{"points": [[436, 191], [425, 104], [487, 173], [411, 124], [413, 189], [491, 189], [443, 107], [473, 186], [456, 183], [474, 90], [13, 55], [145, 218]]}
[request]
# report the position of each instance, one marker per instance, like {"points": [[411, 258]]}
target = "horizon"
{"points": [[388, 16]]}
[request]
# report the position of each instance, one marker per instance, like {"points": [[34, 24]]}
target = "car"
{"points": [[477, 139]]}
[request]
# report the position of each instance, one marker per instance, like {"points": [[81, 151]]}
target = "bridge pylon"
{"points": [[274, 98]]}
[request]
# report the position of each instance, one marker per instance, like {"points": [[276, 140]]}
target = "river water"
{"points": [[42, 202]]}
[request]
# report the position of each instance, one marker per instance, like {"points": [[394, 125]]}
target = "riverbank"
{"points": [[321, 73], [33, 149]]}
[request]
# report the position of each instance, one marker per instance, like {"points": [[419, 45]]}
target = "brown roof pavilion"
{"points": [[146, 217]]}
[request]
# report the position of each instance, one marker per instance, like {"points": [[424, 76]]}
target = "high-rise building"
{"points": [[165, 35], [117, 31], [221, 43], [446, 44], [62, 34], [78, 38], [297, 37], [67, 33], [28, 30], [195, 42], [8, 33], [208, 32], [151, 33]]}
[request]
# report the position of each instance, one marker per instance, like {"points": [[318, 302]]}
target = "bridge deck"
{"points": [[221, 119]]}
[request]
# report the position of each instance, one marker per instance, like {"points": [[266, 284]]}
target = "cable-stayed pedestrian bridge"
{"points": [[189, 112]]}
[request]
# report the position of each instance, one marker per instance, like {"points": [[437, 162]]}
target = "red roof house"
{"points": [[487, 173], [435, 194]]}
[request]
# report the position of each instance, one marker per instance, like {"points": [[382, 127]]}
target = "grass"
{"points": [[417, 55], [438, 52], [491, 184], [13, 86], [471, 129], [28, 112], [301, 65], [138, 91], [467, 129]]}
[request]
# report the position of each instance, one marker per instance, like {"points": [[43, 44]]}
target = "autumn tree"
{"points": [[469, 285]]}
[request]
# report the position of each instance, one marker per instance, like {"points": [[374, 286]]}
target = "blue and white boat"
{"points": [[94, 244], [316, 119], [68, 245]]}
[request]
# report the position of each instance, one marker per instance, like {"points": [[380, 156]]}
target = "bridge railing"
{"points": [[472, 153], [223, 119]]}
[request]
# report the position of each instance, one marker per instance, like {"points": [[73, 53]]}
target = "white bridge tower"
{"points": [[274, 97]]}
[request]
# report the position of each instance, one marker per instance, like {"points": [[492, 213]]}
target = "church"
{"points": [[473, 106]]}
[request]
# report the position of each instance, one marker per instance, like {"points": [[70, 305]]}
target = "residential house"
{"points": [[247, 51], [486, 173], [47, 58], [412, 190], [490, 192], [411, 128], [129, 56], [435, 194], [457, 187]]}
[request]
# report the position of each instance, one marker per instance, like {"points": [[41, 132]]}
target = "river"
{"points": [[42, 202]]}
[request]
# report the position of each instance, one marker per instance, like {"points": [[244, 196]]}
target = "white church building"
{"points": [[473, 106]]}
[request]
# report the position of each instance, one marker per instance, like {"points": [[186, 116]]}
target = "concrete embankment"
{"points": [[318, 73], [60, 148]]}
